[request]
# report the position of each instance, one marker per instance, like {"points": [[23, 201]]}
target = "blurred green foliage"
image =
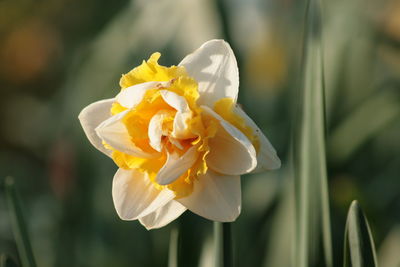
{"points": [[359, 248], [58, 56]]}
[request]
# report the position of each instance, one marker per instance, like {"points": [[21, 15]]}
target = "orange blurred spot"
{"points": [[29, 52]]}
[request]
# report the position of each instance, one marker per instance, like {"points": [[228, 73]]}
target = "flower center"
{"points": [[168, 121], [138, 121]]}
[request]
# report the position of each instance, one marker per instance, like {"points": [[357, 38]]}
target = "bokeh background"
{"points": [[56, 57]]}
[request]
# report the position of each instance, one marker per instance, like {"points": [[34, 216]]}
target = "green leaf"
{"points": [[7, 261], [359, 248], [18, 224], [309, 152]]}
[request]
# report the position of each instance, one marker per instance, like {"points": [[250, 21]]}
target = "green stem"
{"points": [[18, 224], [223, 244], [173, 248]]}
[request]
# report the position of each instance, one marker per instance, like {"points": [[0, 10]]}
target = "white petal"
{"points": [[214, 67], [174, 100], [114, 133], [183, 114], [91, 116], [163, 215], [267, 158], [135, 196], [231, 152], [133, 95], [155, 131], [215, 197], [181, 128], [176, 165]]}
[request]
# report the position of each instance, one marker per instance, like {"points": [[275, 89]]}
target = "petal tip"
{"points": [[217, 41], [274, 163], [152, 227], [278, 164]]}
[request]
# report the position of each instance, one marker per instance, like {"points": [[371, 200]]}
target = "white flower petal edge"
{"points": [[132, 96], [214, 67], [215, 197], [163, 216], [114, 133], [176, 165], [93, 115], [267, 157], [135, 196], [231, 152]]}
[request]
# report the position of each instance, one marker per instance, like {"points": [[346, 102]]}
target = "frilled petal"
{"points": [[135, 196], [163, 215], [183, 114], [267, 158], [115, 134], [214, 66], [176, 165], [231, 152], [133, 95], [93, 115], [215, 197]]}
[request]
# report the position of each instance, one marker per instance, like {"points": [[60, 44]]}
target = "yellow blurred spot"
{"points": [[391, 19], [266, 66]]}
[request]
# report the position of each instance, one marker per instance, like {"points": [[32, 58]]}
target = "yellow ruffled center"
{"points": [[137, 123], [138, 118]]}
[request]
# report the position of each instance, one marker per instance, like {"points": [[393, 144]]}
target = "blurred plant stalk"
{"points": [[18, 224], [223, 244], [309, 151]]}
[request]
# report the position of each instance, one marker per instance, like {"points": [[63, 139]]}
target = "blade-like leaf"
{"points": [[359, 248], [18, 225], [312, 202]]}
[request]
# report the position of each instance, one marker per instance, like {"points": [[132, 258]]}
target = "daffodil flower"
{"points": [[179, 138]]}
